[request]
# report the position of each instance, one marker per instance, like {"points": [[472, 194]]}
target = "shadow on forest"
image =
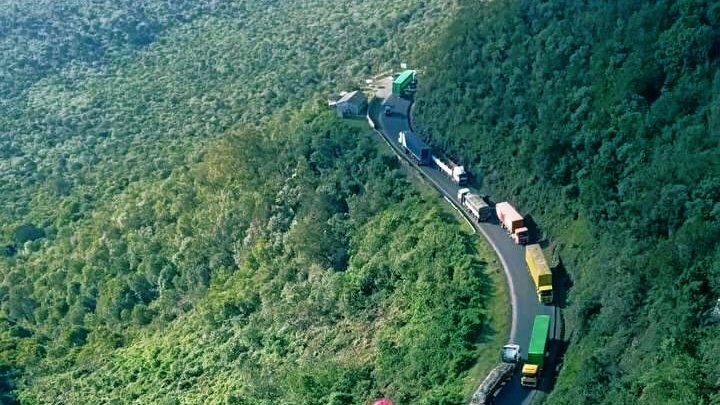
{"points": [[562, 283]]}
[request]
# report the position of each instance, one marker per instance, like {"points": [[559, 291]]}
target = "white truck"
{"points": [[453, 170], [474, 204], [510, 353], [509, 358]]}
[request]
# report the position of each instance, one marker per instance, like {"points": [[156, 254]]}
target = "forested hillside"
{"points": [[202, 69], [602, 121], [297, 267], [183, 222]]}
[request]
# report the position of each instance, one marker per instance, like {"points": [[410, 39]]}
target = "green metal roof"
{"points": [[404, 76], [540, 330]]}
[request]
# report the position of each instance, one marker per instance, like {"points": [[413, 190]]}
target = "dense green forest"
{"points": [[67, 116], [602, 121], [296, 267], [183, 222]]}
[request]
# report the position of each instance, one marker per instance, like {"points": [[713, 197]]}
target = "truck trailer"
{"points": [[539, 272], [532, 368], [453, 170], [485, 393], [512, 221], [474, 204], [402, 82], [415, 146]]}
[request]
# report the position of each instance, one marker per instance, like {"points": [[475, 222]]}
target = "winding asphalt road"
{"points": [[522, 291]]}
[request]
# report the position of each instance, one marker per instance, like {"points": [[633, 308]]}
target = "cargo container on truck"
{"points": [[539, 272], [532, 368], [512, 221], [474, 204], [401, 83], [415, 147], [453, 170]]}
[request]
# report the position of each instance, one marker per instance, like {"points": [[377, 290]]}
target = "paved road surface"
{"points": [[524, 301]]}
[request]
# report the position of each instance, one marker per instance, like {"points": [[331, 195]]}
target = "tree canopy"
{"points": [[601, 121], [183, 222]]}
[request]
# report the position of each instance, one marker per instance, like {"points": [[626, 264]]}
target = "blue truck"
{"points": [[415, 147]]}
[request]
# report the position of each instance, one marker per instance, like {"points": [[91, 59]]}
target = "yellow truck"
{"points": [[539, 272]]}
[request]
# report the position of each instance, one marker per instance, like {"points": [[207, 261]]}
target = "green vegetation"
{"points": [[601, 120], [66, 122], [333, 284], [184, 223], [498, 317]]}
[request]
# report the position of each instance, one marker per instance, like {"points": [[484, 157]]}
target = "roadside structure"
{"points": [[350, 104]]}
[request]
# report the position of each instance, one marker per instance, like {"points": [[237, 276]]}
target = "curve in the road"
{"points": [[506, 269], [522, 291]]}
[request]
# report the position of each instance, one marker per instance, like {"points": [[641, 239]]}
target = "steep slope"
{"points": [[300, 268], [602, 120], [183, 222], [65, 125]]}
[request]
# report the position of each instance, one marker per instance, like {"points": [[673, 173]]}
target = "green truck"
{"points": [[403, 81], [536, 351]]}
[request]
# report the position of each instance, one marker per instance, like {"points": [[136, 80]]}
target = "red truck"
{"points": [[512, 221]]}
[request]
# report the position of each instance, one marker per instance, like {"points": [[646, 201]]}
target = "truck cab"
{"points": [[529, 375], [521, 236], [459, 175], [545, 294], [461, 194], [510, 353], [388, 110]]}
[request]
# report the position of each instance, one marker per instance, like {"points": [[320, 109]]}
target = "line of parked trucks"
{"points": [[507, 216], [480, 210]]}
